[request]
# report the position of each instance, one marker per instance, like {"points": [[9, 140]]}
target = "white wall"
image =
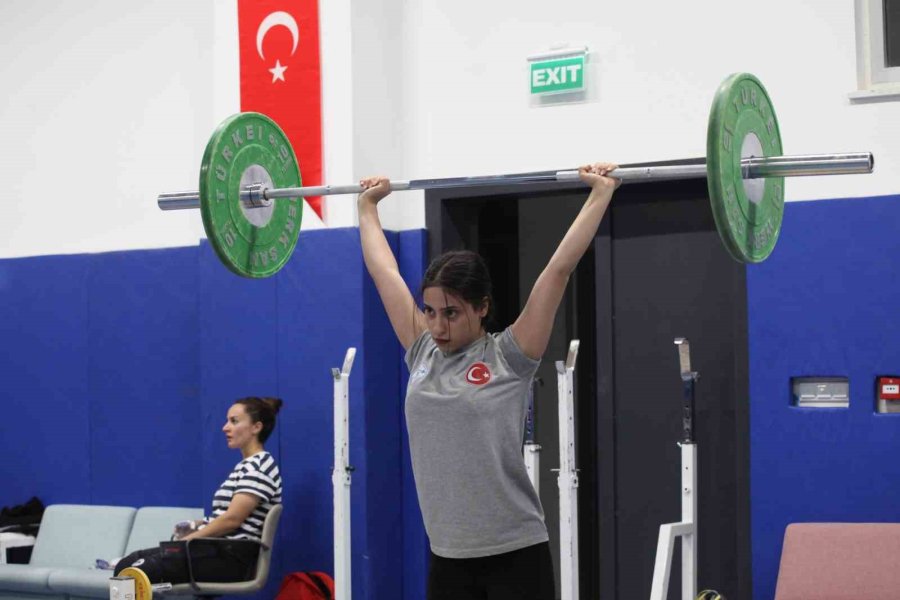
{"points": [[105, 104], [108, 103], [657, 66], [362, 103], [381, 103]]}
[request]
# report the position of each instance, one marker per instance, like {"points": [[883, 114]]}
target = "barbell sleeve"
{"points": [[751, 168], [851, 163]]}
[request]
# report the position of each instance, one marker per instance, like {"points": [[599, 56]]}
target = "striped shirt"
{"points": [[257, 475]]}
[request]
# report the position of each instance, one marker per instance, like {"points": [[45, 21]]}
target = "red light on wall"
{"points": [[889, 388]]}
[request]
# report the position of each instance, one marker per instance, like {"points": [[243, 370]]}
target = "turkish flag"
{"points": [[280, 75]]}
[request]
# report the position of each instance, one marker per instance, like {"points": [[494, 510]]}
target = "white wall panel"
{"points": [[108, 103]]}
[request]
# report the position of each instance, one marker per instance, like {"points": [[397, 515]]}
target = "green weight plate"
{"points": [[250, 148], [748, 213]]}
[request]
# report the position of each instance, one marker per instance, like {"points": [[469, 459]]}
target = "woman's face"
{"points": [[452, 322], [239, 428]]}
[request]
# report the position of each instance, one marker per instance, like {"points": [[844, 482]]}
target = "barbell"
{"points": [[249, 163]]}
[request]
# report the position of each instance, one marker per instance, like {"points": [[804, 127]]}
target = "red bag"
{"points": [[309, 585]]}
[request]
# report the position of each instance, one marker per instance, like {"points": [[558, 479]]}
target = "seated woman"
{"points": [[239, 508]]}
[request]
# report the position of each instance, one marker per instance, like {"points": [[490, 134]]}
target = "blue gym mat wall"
{"points": [[824, 304], [119, 368]]}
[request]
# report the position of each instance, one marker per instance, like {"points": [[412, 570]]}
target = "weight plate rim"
{"points": [[713, 177], [715, 182], [143, 589], [206, 211]]}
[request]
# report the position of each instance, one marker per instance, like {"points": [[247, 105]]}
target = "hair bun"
{"points": [[274, 404]]}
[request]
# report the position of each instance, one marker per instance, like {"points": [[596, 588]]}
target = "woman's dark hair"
{"points": [[462, 273], [262, 409]]}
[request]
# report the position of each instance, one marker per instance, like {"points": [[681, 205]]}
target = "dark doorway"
{"points": [[657, 271]]}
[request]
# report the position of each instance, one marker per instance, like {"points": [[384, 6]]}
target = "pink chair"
{"points": [[839, 561]]}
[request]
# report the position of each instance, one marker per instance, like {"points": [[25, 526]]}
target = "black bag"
{"points": [[23, 518]]}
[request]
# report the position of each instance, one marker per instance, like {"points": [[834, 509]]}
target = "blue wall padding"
{"points": [[413, 259], [293, 329], [142, 375], [319, 296], [44, 433], [238, 320], [319, 302], [120, 368], [237, 356], [825, 303], [383, 517]]}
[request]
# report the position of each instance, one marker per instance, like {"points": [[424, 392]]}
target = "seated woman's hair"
{"points": [[262, 409]]}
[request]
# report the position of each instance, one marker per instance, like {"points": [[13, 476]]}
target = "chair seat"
{"points": [[25, 578], [93, 583]]}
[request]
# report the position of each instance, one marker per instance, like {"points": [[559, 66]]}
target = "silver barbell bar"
{"points": [[751, 168]]}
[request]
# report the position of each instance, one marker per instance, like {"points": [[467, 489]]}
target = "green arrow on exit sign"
{"points": [[557, 75]]}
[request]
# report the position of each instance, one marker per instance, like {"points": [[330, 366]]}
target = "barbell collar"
{"points": [[751, 168]]}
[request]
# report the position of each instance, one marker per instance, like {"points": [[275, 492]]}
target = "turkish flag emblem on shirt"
{"points": [[478, 374], [280, 75]]}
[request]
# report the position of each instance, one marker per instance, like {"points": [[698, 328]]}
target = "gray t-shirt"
{"points": [[465, 412]]}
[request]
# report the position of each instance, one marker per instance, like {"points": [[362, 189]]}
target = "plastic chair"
{"points": [[199, 588]]}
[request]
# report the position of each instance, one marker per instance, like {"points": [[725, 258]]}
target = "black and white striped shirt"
{"points": [[257, 475]]}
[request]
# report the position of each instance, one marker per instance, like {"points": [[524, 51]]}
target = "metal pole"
{"points": [[686, 529], [531, 449], [688, 472], [340, 477], [568, 477], [689, 516], [751, 168]]}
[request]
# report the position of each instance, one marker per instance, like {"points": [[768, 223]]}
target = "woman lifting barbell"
{"points": [[466, 403], [239, 508]]}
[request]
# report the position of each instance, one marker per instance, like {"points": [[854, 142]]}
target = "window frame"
{"points": [[874, 77]]}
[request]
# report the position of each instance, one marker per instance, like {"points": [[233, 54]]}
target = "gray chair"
{"points": [[200, 588], [71, 538], [149, 525]]}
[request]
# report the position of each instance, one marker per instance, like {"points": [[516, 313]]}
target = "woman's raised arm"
{"points": [[406, 318], [532, 329]]}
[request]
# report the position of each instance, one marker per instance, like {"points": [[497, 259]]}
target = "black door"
{"points": [[669, 276]]}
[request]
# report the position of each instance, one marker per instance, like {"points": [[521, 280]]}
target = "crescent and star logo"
{"points": [[274, 20], [478, 374]]}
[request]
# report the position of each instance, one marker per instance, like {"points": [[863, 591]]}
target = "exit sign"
{"points": [[553, 76]]}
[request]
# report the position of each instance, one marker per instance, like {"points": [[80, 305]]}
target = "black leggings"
{"points": [[220, 560], [525, 574]]}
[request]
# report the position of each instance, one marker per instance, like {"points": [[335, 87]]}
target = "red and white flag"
{"points": [[280, 75]]}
